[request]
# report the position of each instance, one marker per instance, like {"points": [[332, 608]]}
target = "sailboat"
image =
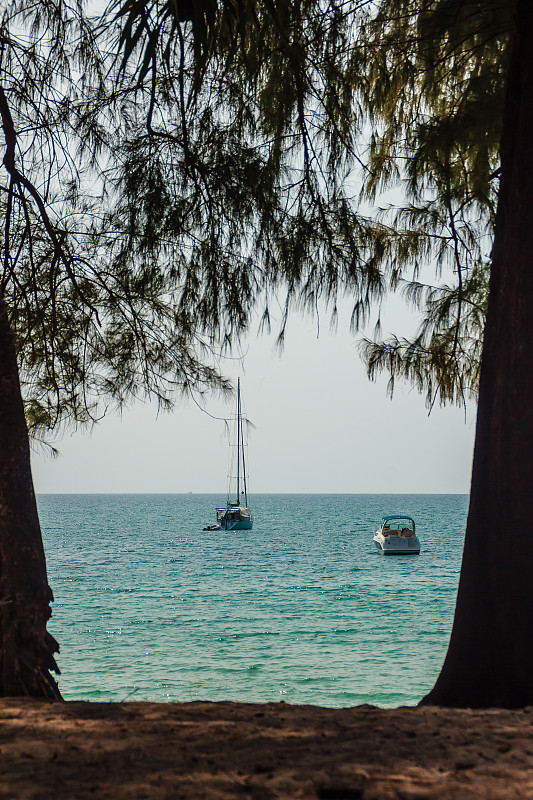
{"points": [[236, 516]]}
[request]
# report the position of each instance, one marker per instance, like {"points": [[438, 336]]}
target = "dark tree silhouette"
{"points": [[26, 648], [490, 656]]}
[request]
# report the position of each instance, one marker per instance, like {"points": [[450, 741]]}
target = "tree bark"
{"points": [[490, 657], [26, 648]]}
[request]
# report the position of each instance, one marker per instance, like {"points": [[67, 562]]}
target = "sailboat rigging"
{"points": [[236, 516]]}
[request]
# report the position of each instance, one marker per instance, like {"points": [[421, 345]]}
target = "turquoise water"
{"points": [[302, 608]]}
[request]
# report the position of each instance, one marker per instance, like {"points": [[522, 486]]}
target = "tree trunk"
{"points": [[490, 656], [26, 648]]}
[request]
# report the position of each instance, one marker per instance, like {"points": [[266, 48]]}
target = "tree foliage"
{"points": [[190, 168], [436, 79], [234, 158], [443, 359], [398, 95], [90, 326]]}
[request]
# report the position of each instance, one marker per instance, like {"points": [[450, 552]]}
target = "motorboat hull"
{"points": [[396, 545]]}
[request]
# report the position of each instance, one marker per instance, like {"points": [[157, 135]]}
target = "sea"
{"points": [[300, 609]]}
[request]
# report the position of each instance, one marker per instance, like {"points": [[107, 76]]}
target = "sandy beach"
{"points": [[213, 751]]}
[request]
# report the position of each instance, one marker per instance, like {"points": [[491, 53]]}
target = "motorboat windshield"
{"points": [[398, 524]]}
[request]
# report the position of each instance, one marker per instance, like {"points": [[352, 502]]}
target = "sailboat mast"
{"points": [[243, 466], [238, 438], [244, 470]]}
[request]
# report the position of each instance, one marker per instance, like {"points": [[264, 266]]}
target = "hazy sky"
{"points": [[320, 426]]}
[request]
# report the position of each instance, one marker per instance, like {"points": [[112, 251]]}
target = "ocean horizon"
{"points": [[301, 608]]}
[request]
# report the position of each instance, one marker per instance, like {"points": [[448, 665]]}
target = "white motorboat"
{"points": [[396, 536]]}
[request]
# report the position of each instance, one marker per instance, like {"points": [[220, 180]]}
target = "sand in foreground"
{"points": [[77, 750]]}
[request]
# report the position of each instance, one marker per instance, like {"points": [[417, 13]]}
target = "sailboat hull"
{"points": [[239, 525], [235, 518]]}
